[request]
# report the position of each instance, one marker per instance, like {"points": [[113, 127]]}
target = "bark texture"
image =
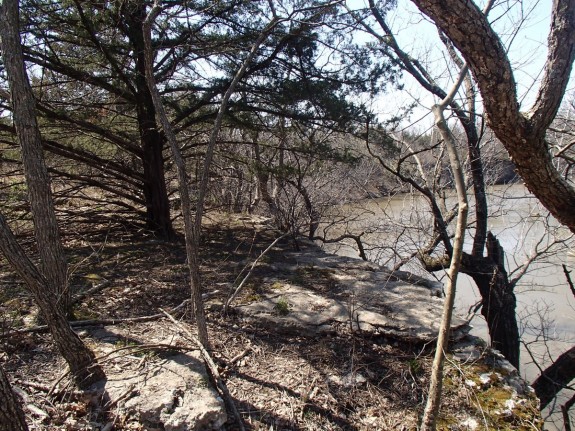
{"points": [[498, 298], [431, 411], [80, 359], [11, 415], [50, 249], [191, 235], [154, 185], [523, 135], [48, 286]]}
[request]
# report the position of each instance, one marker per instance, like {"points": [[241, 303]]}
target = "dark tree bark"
{"points": [[498, 301], [555, 378], [488, 272], [498, 298], [11, 415], [48, 286], [522, 134], [155, 193]]}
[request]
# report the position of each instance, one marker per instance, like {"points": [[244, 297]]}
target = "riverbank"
{"points": [[365, 366]]}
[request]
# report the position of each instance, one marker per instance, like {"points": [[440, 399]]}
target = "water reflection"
{"points": [[396, 227]]}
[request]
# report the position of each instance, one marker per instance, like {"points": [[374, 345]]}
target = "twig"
{"points": [[126, 394], [135, 348], [57, 382], [243, 282], [140, 348], [49, 389], [565, 410], [81, 323], [213, 369], [239, 356], [77, 298], [568, 277]]}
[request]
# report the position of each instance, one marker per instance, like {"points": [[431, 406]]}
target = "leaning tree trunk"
{"points": [[190, 233], [50, 249], [431, 411], [498, 299], [193, 230], [555, 378], [11, 415], [80, 359], [49, 286]]}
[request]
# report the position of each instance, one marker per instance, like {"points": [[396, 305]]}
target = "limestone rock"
{"points": [[362, 297], [171, 394]]}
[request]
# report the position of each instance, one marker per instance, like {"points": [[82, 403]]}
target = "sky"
{"points": [[417, 35]]}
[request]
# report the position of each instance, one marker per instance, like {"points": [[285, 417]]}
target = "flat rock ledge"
{"points": [[361, 296], [312, 293]]}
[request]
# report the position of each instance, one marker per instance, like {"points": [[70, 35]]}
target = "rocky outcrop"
{"points": [[311, 292], [361, 296], [167, 391]]}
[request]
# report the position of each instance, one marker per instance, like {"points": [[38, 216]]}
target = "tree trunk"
{"points": [[152, 141], [49, 286], [431, 412], [50, 249], [80, 359], [523, 135], [158, 217], [11, 415], [191, 234], [497, 296], [498, 299], [555, 378]]}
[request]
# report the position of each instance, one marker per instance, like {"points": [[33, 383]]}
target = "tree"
{"points": [[11, 415], [97, 115], [49, 285], [487, 269], [431, 411], [193, 222], [522, 134], [489, 272], [86, 62]]}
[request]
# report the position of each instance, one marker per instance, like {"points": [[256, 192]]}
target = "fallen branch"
{"points": [[53, 390], [77, 394], [95, 289], [212, 367], [243, 282], [239, 356], [142, 348], [82, 323]]}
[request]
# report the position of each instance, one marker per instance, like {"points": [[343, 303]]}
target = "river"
{"points": [[396, 226]]}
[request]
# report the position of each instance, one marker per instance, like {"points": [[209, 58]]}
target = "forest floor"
{"points": [[278, 380]]}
